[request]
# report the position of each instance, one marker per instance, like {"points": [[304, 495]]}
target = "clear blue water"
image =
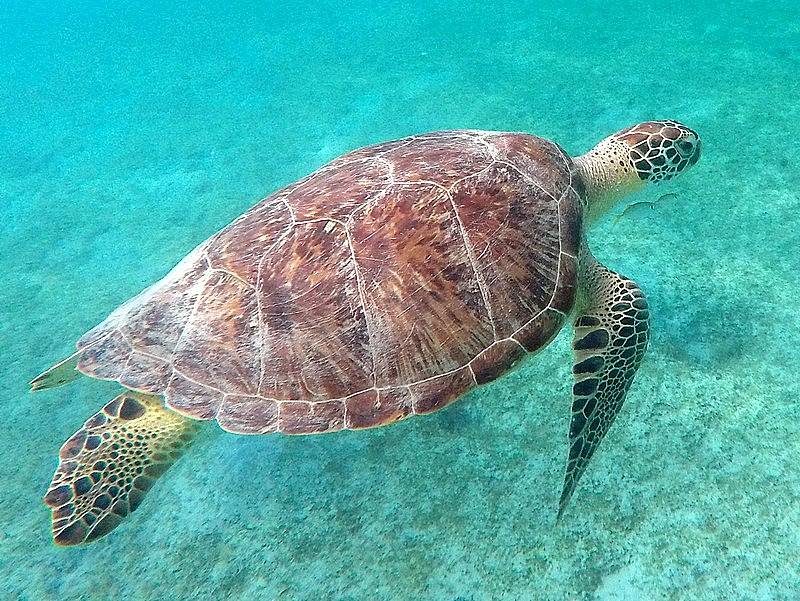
{"points": [[131, 132]]}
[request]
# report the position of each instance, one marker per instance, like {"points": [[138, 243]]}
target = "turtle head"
{"points": [[653, 151], [660, 150]]}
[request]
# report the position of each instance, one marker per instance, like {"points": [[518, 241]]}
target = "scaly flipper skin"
{"points": [[108, 465], [611, 335]]}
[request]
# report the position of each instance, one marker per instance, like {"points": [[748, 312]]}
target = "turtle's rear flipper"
{"points": [[108, 465], [611, 334], [61, 373]]}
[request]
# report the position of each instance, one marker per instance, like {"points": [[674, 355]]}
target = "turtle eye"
{"points": [[685, 148]]}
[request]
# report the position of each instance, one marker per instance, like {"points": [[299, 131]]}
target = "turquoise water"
{"points": [[131, 132]]}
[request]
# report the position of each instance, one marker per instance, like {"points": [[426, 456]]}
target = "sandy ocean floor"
{"points": [[128, 135]]}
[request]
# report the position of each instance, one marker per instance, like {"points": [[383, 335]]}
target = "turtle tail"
{"points": [[61, 373]]}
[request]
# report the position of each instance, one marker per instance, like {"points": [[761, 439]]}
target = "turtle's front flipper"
{"points": [[611, 334], [107, 466]]}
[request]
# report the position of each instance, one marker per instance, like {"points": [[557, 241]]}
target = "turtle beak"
{"points": [[696, 154], [689, 147]]}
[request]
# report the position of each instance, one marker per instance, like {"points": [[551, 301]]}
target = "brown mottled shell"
{"points": [[385, 284]]}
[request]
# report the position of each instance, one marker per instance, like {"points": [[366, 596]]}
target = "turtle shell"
{"points": [[386, 284]]}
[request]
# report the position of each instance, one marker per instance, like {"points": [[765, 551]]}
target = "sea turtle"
{"points": [[386, 284]]}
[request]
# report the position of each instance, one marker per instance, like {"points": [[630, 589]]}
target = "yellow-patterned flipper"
{"points": [[611, 336], [108, 465]]}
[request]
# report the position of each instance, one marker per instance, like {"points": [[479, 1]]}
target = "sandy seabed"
{"points": [[128, 136]]}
